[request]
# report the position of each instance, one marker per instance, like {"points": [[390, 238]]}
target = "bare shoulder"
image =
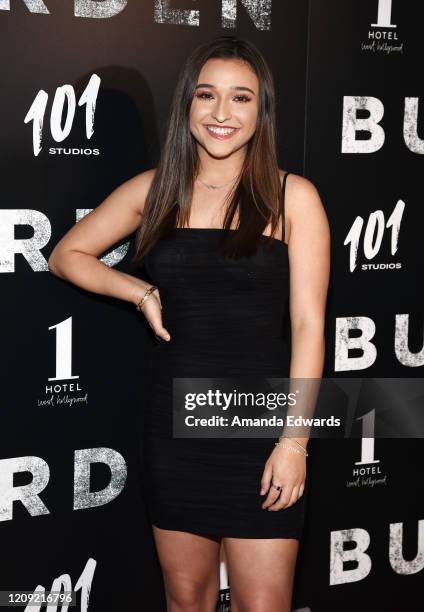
{"points": [[135, 189], [300, 189], [303, 206], [145, 178]]}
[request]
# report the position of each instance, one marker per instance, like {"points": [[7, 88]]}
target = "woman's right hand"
{"points": [[152, 310]]}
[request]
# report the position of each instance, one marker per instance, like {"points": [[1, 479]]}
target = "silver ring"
{"points": [[278, 487]]}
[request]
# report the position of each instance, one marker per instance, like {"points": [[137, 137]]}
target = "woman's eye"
{"points": [[204, 95], [242, 98]]}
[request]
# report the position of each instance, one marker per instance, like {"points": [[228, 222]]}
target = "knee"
{"points": [[184, 592]]}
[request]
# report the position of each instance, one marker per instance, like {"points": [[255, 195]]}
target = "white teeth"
{"points": [[221, 131]]}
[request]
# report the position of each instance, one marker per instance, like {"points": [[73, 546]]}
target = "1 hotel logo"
{"points": [[383, 35]]}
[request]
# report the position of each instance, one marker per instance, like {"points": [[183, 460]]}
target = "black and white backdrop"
{"points": [[85, 91]]}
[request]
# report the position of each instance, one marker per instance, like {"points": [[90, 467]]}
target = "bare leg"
{"points": [[261, 573], [190, 566]]}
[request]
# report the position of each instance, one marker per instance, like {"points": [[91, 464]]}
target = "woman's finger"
{"points": [[294, 497], [284, 498], [273, 492], [266, 479], [161, 332], [163, 335], [153, 314], [271, 498]]}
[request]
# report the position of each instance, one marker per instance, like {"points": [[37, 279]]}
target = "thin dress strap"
{"points": [[283, 191]]}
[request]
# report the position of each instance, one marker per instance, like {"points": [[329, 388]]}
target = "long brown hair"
{"points": [[257, 193]]}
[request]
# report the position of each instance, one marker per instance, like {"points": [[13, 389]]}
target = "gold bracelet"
{"points": [[145, 297], [304, 451], [294, 440], [292, 448]]}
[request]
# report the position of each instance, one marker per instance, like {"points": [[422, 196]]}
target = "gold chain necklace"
{"points": [[209, 186]]}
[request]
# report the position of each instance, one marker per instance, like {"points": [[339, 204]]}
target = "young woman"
{"points": [[232, 248]]}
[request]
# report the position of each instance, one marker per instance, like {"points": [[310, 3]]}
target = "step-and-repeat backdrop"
{"points": [[86, 87]]}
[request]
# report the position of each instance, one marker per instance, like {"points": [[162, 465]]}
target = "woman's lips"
{"points": [[221, 132]]}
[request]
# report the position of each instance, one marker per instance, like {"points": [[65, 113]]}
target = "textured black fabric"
{"points": [[226, 318]]}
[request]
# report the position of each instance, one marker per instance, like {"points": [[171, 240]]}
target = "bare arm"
{"points": [[75, 258], [309, 254]]}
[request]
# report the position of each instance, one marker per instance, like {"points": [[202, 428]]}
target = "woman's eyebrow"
{"points": [[237, 88]]}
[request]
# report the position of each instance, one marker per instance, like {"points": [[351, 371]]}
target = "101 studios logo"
{"points": [[374, 236], [383, 34], [64, 101]]}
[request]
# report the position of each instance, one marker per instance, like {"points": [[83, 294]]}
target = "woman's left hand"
{"points": [[287, 469]]}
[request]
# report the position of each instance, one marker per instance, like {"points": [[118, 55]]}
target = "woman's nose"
{"points": [[221, 112]]}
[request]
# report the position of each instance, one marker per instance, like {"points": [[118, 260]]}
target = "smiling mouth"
{"points": [[221, 132]]}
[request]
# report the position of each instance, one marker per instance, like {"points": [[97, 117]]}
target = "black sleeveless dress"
{"points": [[226, 318]]}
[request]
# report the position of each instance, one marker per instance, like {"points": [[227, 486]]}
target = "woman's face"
{"points": [[225, 106]]}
